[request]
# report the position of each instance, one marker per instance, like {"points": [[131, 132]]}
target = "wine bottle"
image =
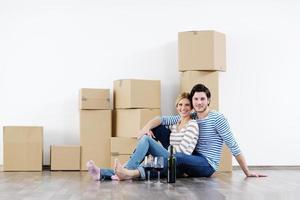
{"points": [[171, 165]]}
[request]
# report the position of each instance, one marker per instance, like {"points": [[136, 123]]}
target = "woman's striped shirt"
{"points": [[185, 139], [214, 131]]}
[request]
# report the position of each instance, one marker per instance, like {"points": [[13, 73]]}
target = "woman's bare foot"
{"points": [[94, 171], [123, 173]]}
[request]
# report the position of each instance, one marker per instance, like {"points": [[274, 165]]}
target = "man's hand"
{"points": [[257, 175]]}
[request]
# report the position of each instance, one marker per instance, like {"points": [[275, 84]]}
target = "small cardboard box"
{"points": [[210, 79], [65, 157], [128, 122], [201, 50], [122, 145], [95, 133], [134, 93], [23, 148], [94, 99], [122, 148], [121, 158]]}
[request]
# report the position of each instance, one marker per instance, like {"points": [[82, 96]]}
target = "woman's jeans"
{"points": [[146, 145], [194, 165]]}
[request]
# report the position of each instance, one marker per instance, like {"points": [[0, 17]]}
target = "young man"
{"points": [[214, 131]]}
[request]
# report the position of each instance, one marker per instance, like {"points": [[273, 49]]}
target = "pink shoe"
{"points": [[93, 170]]}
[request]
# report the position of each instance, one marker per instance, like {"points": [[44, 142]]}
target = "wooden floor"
{"points": [[281, 184]]}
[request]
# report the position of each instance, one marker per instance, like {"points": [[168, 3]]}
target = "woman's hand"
{"points": [[145, 132]]}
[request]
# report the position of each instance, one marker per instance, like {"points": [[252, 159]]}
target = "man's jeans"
{"points": [[194, 165]]}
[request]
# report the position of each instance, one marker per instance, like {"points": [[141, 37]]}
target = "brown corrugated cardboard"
{"points": [[129, 121], [95, 133], [201, 50], [122, 145], [65, 157], [134, 93], [94, 99], [209, 79], [226, 160], [121, 158], [23, 148]]}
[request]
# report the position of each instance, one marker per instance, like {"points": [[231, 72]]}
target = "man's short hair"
{"points": [[200, 88]]}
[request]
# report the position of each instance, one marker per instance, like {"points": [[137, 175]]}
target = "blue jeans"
{"points": [[162, 134], [194, 165], [146, 145]]}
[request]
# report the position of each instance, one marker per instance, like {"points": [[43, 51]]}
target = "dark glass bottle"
{"points": [[171, 165]]}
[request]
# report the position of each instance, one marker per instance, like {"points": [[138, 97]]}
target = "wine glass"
{"points": [[158, 166], [148, 166]]}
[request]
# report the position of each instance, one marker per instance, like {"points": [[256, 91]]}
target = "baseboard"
{"points": [[276, 167], [45, 167]]}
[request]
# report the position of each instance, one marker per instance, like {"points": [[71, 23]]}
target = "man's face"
{"points": [[200, 102]]}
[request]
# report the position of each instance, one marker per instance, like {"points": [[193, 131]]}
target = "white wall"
{"points": [[50, 49]]}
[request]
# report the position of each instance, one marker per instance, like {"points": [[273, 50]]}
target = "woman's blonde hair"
{"points": [[183, 95]]}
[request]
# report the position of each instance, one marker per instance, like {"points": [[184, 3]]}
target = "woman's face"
{"points": [[184, 107]]}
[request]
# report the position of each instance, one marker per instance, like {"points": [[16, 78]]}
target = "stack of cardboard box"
{"points": [[136, 102], [22, 148], [95, 126], [202, 54]]}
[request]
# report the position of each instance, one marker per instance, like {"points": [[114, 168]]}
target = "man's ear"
{"points": [[208, 101]]}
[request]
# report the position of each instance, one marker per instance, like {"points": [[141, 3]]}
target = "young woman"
{"points": [[184, 136]]}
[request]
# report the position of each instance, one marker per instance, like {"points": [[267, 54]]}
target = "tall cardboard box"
{"points": [[65, 157], [94, 99], [201, 50], [95, 133], [134, 93], [122, 148], [23, 148], [128, 122], [210, 79], [226, 160]]}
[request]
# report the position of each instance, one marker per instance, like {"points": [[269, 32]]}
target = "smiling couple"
{"points": [[197, 136]]}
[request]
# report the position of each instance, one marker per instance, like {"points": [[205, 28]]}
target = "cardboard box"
{"points": [[201, 50], [122, 145], [94, 99], [133, 93], [65, 157], [210, 79], [122, 148], [128, 122], [226, 160], [121, 158], [95, 133], [23, 148]]}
